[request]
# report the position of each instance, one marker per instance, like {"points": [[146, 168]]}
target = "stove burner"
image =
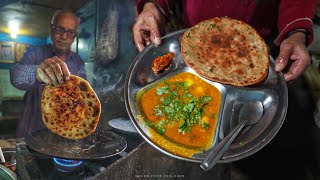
{"points": [[66, 165]]}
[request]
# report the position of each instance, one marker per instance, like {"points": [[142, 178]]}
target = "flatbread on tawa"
{"points": [[71, 109], [226, 50]]}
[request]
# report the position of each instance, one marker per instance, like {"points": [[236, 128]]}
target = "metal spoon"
{"points": [[249, 114]]}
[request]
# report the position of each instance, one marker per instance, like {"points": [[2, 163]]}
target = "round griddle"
{"points": [[99, 145]]}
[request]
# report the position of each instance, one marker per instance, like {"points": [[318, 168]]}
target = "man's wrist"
{"points": [[302, 34], [158, 6]]}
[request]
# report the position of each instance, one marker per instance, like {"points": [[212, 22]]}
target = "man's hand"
{"points": [[53, 71], [293, 57], [148, 27]]}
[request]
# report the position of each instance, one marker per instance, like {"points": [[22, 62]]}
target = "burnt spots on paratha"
{"points": [[226, 63], [240, 71], [90, 104], [216, 40], [57, 98], [83, 86], [91, 126], [86, 131], [95, 111], [242, 52]]}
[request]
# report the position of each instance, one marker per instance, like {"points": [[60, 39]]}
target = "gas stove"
{"points": [[35, 165]]}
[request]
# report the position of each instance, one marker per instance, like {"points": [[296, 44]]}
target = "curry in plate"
{"points": [[181, 113]]}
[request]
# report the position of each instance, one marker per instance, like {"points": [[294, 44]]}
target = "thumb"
{"points": [[283, 58]]}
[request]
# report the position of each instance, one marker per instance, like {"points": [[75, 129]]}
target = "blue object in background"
{"points": [[4, 37]]}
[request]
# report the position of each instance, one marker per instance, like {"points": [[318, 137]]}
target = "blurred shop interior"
{"points": [[104, 42]]}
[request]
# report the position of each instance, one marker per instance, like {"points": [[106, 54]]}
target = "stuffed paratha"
{"points": [[71, 109], [226, 50]]}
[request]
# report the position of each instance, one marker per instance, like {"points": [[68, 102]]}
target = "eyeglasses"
{"points": [[60, 31]]}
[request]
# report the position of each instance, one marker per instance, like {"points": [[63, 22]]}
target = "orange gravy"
{"points": [[199, 138]]}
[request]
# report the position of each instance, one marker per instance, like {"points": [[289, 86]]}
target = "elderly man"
{"points": [[47, 64]]}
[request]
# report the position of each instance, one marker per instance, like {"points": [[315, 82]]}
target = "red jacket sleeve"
{"points": [[164, 4], [295, 14]]}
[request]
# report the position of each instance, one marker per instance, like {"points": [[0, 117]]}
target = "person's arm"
{"points": [[23, 74], [149, 25], [295, 34], [162, 5], [295, 15]]}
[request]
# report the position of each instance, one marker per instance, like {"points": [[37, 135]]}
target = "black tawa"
{"points": [[99, 145]]}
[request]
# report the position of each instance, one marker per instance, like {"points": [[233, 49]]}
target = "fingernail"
{"points": [[287, 77], [278, 66], [67, 78], [280, 60], [139, 47], [156, 41]]}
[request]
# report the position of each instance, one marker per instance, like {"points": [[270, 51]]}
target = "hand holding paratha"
{"points": [[53, 71], [71, 109], [148, 27], [293, 57]]}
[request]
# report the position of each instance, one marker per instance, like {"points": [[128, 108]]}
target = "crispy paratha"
{"points": [[226, 50], [71, 109]]}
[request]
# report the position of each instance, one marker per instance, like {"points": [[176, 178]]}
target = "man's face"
{"points": [[64, 32]]}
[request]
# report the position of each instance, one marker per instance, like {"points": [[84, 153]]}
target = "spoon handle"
{"points": [[215, 154]]}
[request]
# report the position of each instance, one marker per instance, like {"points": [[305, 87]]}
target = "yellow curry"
{"points": [[181, 113]]}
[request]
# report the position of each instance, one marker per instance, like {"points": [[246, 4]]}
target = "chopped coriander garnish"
{"points": [[178, 105], [149, 124], [161, 126], [162, 90], [214, 116], [205, 125]]}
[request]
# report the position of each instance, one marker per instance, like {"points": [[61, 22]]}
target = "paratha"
{"points": [[71, 109], [226, 50]]}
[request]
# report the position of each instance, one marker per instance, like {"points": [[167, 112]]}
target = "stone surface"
{"points": [[145, 162]]}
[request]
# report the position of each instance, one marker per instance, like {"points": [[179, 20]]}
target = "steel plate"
{"points": [[272, 93]]}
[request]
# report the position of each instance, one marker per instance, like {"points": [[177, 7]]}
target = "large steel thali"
{"points": [[272, 93]]}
